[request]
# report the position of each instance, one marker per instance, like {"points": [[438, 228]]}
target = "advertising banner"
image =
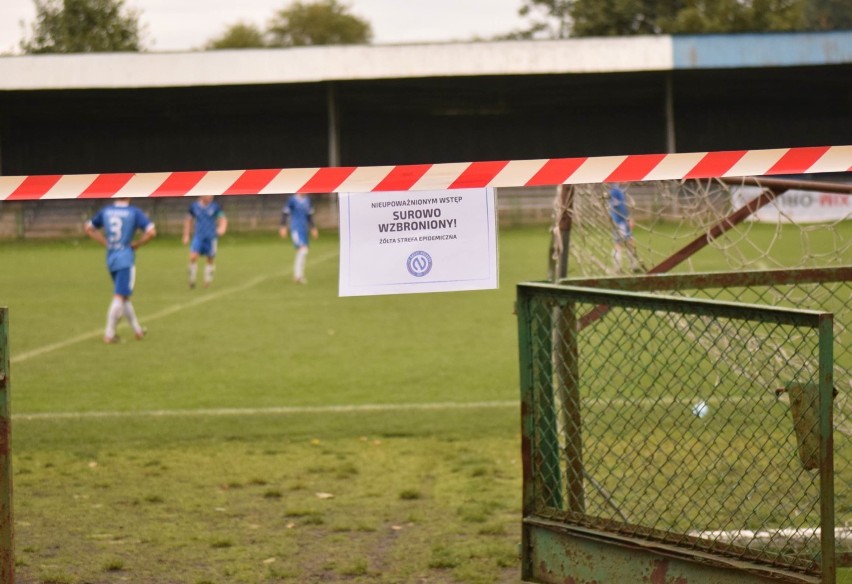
{"points": [[797, 206]]}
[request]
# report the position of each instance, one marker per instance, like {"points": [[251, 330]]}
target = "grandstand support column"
{"points": [[671, 144], [333, 126]]}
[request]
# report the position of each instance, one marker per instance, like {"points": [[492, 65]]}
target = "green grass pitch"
{"points": [[263, 431]]}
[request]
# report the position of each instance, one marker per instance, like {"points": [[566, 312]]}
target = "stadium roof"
{"points": [[369, 62]]}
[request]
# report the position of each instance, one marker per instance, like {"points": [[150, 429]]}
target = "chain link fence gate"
{"points": [[655, 427], [828, 289]]}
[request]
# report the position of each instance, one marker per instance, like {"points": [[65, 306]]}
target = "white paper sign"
{"points": [[425, 241]]}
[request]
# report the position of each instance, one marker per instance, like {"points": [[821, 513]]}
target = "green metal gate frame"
{"points": [[558, 545], [7, 555]]}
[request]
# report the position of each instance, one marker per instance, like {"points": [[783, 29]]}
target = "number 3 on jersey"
{"points": [[115, 225]]}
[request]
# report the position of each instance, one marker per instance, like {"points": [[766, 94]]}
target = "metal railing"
{"points": [[673, 423]]}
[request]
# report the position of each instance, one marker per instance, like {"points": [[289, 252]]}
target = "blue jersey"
{"points": [[120, 223], [300, 213], [618, 207], [206, 218]]}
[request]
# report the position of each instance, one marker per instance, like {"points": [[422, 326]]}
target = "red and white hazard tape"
{"points": [[420, 177]]}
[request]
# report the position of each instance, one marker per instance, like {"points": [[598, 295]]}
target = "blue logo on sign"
{"points": [[419, 264]]}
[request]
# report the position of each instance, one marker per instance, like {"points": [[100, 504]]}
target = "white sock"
{"points": [[616, 259], [634, 259], [131, 316], [193, 272], [208, 273], [116, 308], [299, 266]]}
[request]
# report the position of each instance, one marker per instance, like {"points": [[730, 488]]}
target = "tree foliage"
{"points": [[830, 15], [548, 18], [240, 35], [323, 22], [83, 26], [579, 18], [736, 16], [320, 22]]}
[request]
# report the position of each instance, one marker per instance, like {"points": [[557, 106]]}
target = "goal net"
{"points": [[786, 240], [799, 226]]}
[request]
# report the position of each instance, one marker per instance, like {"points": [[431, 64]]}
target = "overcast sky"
{"points": [[175, 25]]}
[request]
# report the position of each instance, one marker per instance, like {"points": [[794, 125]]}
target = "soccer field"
{"points": [[263, 431], [258, 391], [254, 339]]}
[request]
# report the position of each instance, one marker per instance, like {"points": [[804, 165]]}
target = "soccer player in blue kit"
{"points": [[298, 214], [622, 233], [119, 222], [210, 224]]}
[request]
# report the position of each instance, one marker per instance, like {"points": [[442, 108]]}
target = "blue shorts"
{"points": [[124, 280], [622, 233], [205, 247], [299, 237]]}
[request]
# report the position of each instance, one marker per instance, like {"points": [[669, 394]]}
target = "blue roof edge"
{"points": [[789, 49]]}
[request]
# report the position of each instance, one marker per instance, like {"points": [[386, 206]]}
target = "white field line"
{"points": [[334, 409], [355, 408], [199, 300]]}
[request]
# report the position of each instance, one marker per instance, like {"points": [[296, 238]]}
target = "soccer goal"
{"points": [[773, 228], [691, 413]]}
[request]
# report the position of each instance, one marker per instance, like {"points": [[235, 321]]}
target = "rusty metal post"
{"points": [[561, 237], [547, 463], [565, 355], [7, 556], [566, 362], [564, 222]]}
